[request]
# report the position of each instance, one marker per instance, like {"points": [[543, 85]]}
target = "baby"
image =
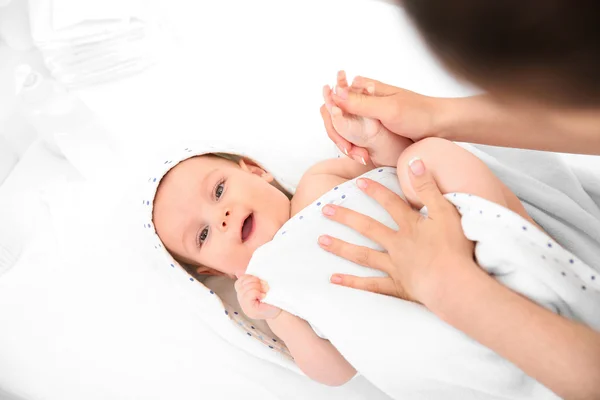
{"points": [[212, 213]]}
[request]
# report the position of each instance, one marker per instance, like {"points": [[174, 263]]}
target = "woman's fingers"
{"points": [[342, 82], [360, 154], [379, 285], [363, 224], [426, 188], [373, 87], [365, 105], [335, 137], [361, 255], [327, 98], [396, 206]]}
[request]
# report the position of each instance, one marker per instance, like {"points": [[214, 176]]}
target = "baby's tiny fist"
{"points": [[265, 286]]}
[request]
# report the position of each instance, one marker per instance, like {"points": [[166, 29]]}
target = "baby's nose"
{"points": [[224, 223]]}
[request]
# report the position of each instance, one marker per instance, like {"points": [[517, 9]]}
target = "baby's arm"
{"points": [[316, 357], [323, 177]]}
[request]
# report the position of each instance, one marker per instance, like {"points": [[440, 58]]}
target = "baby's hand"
{"points": [[250, 292], [359, 131], [383, 147]]}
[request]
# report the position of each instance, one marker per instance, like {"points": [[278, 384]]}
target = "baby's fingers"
{"points": [[242, 281], [252, 295]]}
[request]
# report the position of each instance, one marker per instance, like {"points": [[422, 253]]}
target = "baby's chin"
{"points": [[268, 230], [261, 238]]}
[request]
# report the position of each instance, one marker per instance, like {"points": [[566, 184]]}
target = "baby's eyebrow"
{"points": [[208, 177]]}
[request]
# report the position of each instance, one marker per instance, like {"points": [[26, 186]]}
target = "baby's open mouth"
{"points": [[247, 227]]}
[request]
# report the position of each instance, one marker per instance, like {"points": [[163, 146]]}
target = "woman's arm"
{"points": [[480, 119], [316, 357], [557, 352], [475, 119]]}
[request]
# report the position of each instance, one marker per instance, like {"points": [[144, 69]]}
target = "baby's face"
{"points": [[214, 213]]}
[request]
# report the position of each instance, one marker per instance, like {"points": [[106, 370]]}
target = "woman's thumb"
{"points": [[425, 187], [362, 104]]}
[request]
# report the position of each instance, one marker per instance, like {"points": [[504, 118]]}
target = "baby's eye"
{"points": [[202, 237], [219, 190]]}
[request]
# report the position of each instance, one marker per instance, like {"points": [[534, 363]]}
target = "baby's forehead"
{"points": [[194, 168], [186, 175]]}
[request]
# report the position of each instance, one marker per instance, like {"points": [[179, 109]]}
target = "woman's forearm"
{"points": [[480, 119], [559, 353]]}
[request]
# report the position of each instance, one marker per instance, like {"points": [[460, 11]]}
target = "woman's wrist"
{"points": [[446, 117], [450, 285]]}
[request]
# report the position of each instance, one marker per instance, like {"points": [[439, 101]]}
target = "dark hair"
{"points": [[544, 48]]}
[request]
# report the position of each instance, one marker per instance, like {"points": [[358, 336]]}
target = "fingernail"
{"points": [[342, 149], [361, 183], [328, 210], [324, 240], [346, 151], [358, 159], [416, 166], [371, 89], [336, 279], [342, 93], [363, 161]]}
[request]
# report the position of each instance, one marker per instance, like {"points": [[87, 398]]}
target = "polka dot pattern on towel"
{"points": [[557, 270]]}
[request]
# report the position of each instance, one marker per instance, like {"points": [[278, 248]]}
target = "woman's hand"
{"points": [[365, 140], [250, 293], [421, 256], [405, 113]]}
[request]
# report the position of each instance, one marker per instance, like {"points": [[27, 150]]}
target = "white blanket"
{"points": [[401, 347]]}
